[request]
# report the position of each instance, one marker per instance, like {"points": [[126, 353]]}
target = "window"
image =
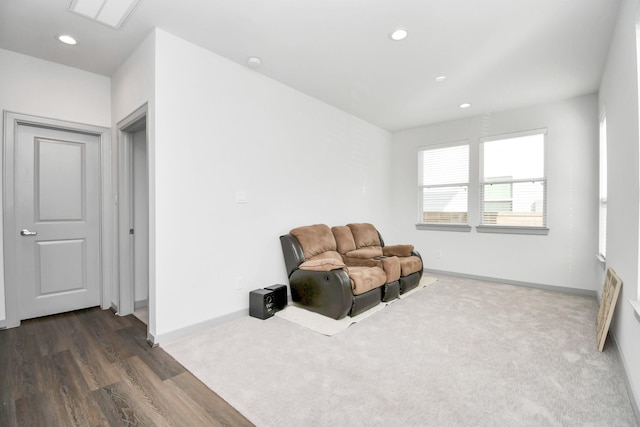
{"points": [[444, 185], [602, 229], [513, 182]]}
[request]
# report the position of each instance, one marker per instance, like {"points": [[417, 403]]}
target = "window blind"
{"points": [[445, 185]]}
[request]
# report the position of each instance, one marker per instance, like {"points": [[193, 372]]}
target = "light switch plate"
{"points": [[241, 197]]}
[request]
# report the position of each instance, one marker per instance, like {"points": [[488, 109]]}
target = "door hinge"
{"points": [[131, 231]]}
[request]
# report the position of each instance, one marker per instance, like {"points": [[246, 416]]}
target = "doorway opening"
{"points": [[133, 214]]}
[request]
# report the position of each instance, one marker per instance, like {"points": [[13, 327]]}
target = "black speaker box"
{"points": [[261, 303], [280, 295]]}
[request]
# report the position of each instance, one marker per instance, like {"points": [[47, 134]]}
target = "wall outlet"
{"points": [[241, 197], [439, 253]]}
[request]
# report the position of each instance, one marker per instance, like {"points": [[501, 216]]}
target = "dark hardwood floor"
{"points": [[92, 368]]}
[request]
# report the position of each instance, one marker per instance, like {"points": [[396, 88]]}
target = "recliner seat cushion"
{"points": [[314, 239], [390, 265], [363, 279], [361, 262], [322, 264], [366, 253], [409, 265]]}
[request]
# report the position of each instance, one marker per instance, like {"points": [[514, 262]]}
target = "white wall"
{"points": [[222, 128], [41, 88], [133, 83], [619, 96], [567, 256]]}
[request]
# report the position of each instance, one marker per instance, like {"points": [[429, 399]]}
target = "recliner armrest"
{"points": [[326, 292], [416, 253]]}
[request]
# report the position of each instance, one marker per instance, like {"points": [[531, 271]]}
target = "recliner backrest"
{"points": [[344, 239], [364, 235], [292, 251], [314, 239]]}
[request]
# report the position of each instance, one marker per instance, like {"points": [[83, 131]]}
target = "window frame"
{"points": [[421, 225], [513, 229]]}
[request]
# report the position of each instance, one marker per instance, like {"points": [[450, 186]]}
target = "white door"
{"points": [[57, 187]]}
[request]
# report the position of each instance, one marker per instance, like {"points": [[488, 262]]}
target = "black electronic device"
{"points": [[280, 296], [261, 303]]}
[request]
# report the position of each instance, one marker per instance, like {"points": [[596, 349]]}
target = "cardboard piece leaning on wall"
{"points": [[612, 285]]}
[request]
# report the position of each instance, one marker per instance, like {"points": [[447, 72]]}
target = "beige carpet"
{"points": [[327, 326], [457, 353]]}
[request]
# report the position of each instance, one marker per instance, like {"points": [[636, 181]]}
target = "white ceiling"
{"points": [[496, 54]]}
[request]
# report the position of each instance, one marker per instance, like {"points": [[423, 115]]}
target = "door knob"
{"points": [[26, 232]]}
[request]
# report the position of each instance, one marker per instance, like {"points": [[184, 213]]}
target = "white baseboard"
{"points": [[564, 289], [188, 330], [140, 304]]}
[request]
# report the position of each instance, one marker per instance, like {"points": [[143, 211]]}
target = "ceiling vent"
{"points": [[109, 12]]}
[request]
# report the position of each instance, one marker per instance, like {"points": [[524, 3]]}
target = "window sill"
{"points": [[512, 229], [443, 227]]}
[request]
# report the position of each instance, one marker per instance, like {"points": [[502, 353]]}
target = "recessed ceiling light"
{"points": [[66, 39], [440, 78], [254, 62], [399, 34], [465, 105]]}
